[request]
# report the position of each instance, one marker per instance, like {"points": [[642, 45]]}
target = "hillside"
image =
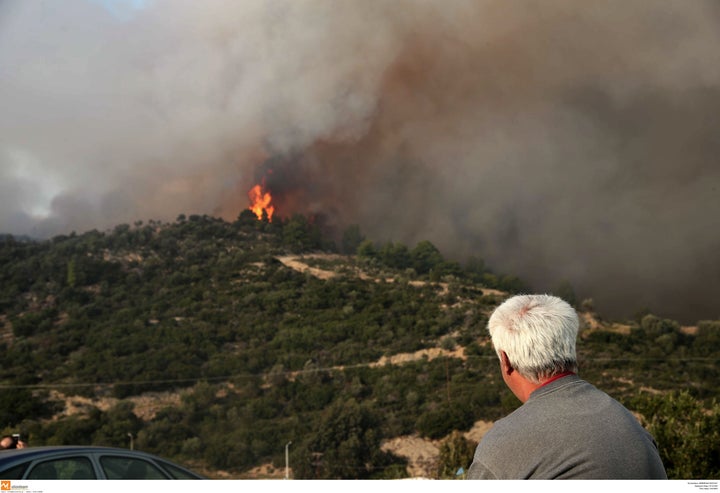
{"points": [[216, 343]]}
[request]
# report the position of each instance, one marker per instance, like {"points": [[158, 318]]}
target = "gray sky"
{"points": [[557, 140]]}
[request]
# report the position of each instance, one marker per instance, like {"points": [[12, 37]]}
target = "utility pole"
{"points": [[447, 379], [287, 461], [132, 444]]}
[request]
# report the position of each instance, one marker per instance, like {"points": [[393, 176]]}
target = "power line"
{"points": [[294, 373]]}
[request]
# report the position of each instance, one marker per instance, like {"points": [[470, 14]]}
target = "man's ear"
{"points": [[507, 367]]}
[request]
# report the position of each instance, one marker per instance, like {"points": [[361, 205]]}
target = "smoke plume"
{"points": [[557, 140]]}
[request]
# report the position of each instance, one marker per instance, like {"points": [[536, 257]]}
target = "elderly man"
{"points": [[565, 428]]}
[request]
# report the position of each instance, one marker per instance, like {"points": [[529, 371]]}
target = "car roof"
{"points": [[7, 457], [49, 449]]}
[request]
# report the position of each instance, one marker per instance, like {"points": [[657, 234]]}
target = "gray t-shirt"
{"points": [[568, 429]]}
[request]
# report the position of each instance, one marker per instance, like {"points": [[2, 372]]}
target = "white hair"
{"points": [[538, 334]]}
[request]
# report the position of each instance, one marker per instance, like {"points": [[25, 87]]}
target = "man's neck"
{"points": [[556, 377], [525, 387]]}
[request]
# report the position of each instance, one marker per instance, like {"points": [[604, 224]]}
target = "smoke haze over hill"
{"points": [[557, 140]]}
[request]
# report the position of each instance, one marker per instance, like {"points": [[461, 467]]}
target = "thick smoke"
{"points": [[557, 140]]}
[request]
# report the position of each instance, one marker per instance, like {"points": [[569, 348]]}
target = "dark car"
{"points": [[84, 462]]}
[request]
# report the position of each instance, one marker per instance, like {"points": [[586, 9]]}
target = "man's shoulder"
{"points": [[509, 425]]}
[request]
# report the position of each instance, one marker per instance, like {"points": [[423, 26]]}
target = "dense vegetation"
{"points": [[262, 355]]}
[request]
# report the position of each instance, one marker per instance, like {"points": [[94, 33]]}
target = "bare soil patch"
{"points": [[293, 262], [146, 405]]}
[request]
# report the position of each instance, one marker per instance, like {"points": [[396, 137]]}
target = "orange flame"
{"points": [[260, 200]]}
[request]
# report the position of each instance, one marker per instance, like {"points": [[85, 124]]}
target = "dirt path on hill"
{"points": [[294, 263]]}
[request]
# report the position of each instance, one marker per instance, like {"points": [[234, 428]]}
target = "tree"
{"points": [[117, 422], [299, 235], [456, 455], [395, 255], [351, 239], [21, 404], [655, 326], [73, 430], [688, 436], [71, 273], [425, 257], [443, 419], [511, 284], [31, 323], [366, 249], [347, 446], [707, 340], [246, 218]]}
